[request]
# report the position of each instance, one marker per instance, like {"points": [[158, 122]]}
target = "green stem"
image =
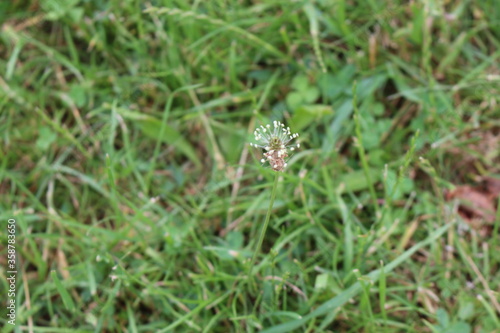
{"points": [[361, 151], [266, 223]]}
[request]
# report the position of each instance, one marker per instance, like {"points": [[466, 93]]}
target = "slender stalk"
{"points": [[361, 151], [266, 223]]}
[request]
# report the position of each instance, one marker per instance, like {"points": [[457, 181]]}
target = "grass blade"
{"points": [[67, 300]]}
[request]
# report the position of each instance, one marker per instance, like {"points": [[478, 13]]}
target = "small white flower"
{"points": [[276, 144]]}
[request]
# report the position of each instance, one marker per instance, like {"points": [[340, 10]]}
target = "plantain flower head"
{"points": [[275, 139]]}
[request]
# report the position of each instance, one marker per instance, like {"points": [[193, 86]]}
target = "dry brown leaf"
{"points": [[473, 203], [492, 187]]}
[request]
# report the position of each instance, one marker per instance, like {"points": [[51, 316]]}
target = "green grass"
{"points": [[125, 160]]}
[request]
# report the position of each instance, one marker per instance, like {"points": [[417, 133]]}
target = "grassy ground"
{"points": [[125, 161]]}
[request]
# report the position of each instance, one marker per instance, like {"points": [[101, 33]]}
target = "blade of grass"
{"points": [[361, 151], [265, 225], [66, 298]]}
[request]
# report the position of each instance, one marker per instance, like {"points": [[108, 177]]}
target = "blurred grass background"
{"points": [[124, 152]]}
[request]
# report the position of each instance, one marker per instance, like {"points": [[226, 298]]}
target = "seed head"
{"points": [[275, 141]]}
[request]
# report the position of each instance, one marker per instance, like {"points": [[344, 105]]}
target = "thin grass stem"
{"points": [[266, 224]]}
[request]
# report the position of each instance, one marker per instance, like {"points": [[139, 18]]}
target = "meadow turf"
{"points": [[125, 161]]}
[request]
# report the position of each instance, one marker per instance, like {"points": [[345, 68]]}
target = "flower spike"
{"points": [[275, 140]]}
